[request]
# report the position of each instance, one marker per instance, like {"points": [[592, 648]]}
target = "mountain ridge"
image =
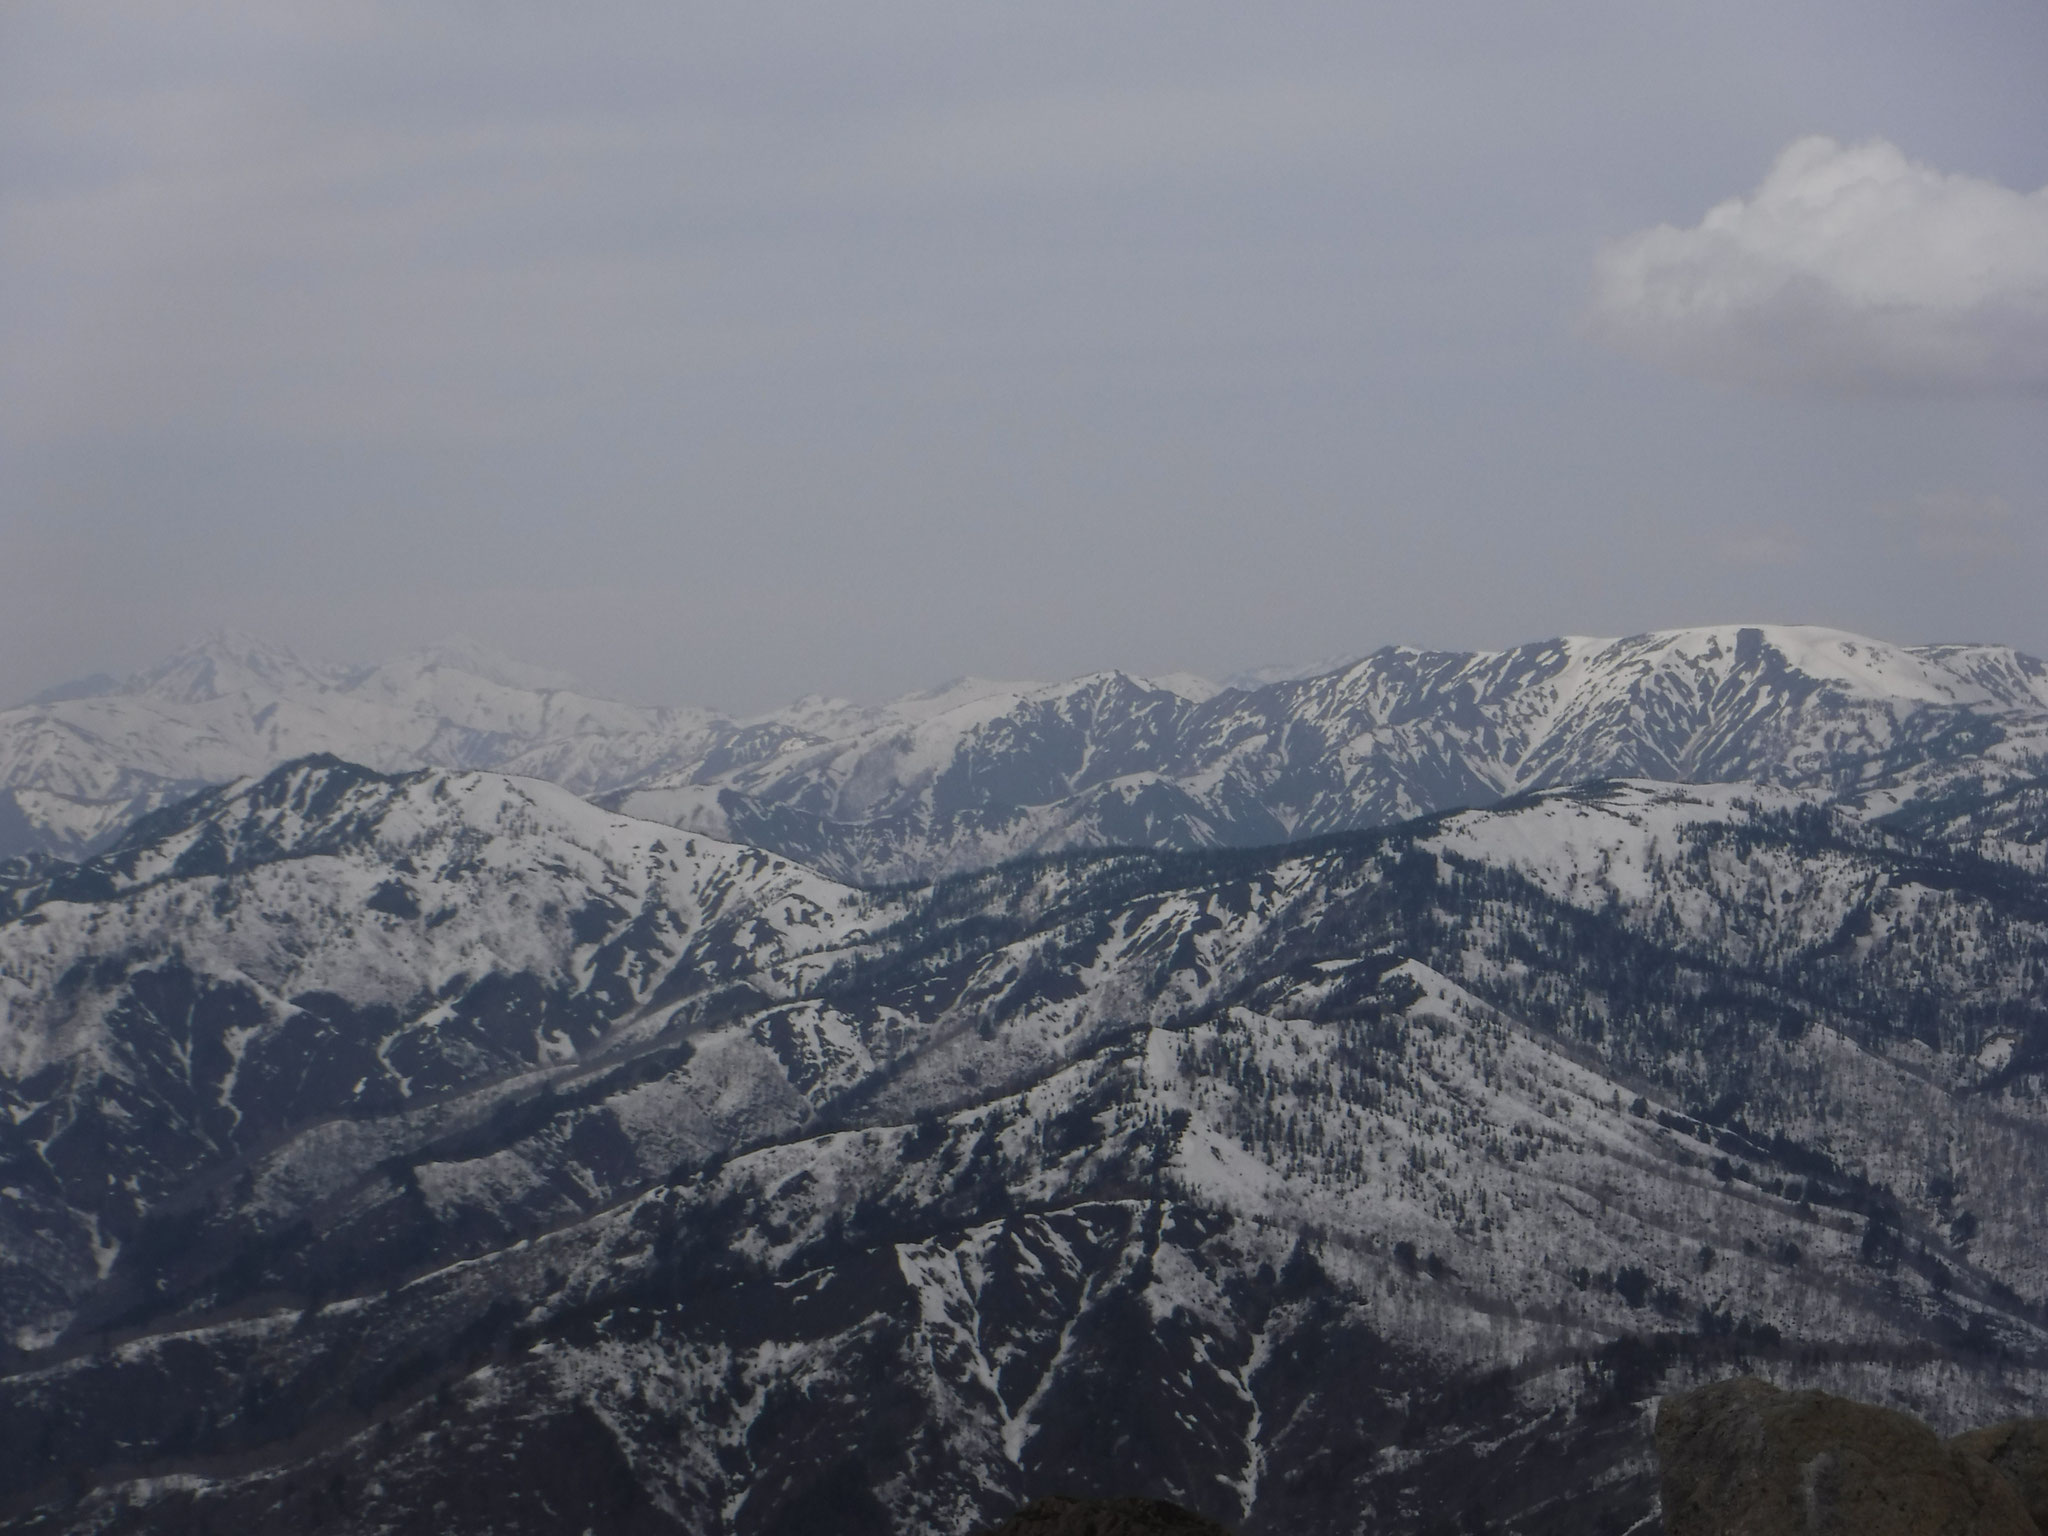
{"points": [[976, 771], [1385, 1174]]}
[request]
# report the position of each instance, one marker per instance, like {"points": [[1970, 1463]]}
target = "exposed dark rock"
{"points": [[1106, 1517], [1742, 1458], [2018, 1449]]}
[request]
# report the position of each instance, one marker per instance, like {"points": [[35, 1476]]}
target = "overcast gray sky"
{"points": [[722, 354]]}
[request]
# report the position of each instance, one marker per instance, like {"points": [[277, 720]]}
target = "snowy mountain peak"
{"points": [[1188, 685], [1855, 664], [225, 663], [956, 692]]}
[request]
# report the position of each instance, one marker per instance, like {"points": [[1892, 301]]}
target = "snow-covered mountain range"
{"points": [[439, 1151], [78, 763], [1114, 761], [975, 772]]}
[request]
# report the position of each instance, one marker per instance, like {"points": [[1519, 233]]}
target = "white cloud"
{"points": [[1851, 268]]}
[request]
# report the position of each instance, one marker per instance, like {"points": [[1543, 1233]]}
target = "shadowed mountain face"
{"points": [[1106, 1517], [438, 1151], [977, 772]]}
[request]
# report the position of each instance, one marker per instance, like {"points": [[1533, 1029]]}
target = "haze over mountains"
{"points": [[974, 772]]}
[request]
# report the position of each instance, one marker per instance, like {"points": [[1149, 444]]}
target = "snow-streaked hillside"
{"points": [[83, 761], [1377, 1180], [975, 772], [1113, 761], [328, 941]]}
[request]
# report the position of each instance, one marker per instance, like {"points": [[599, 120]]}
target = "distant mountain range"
{"points": [[976, 772], [441, 1152], [80, 762]]}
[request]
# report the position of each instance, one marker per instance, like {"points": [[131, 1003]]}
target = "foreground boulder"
{"points": [[1106, 1517], [2018, 1451], [1742, 1458]]}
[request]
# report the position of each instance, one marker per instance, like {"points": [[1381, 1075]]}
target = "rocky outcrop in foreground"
{"points": [[1743, 1458], [2019, 1450]]}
